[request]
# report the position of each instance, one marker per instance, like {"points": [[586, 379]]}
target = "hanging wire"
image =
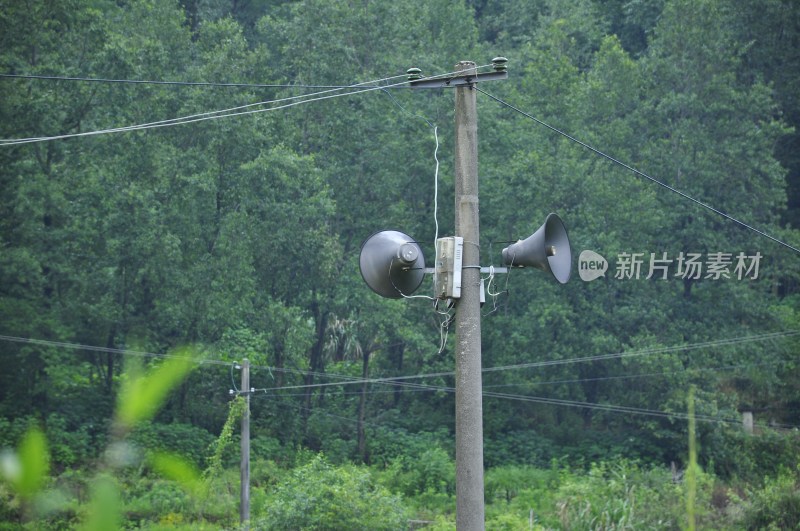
{"points": [[212, 115], [228, 113], [173, 83], [550, 363], [609, 408], [349, 380], [402, 380], [446, 314], [640, 173], [92, 348], [234, 365]]}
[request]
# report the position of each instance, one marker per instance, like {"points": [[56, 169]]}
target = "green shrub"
{"points": [[775, 506], [733, 454], [518, 448], [189, 441], [506, 482], [386, 444], [320, 496], [69, 445], [432, 471], [270, 449]]}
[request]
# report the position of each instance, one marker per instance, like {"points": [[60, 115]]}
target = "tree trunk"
{"points": [[362, 405], [315, 358]]}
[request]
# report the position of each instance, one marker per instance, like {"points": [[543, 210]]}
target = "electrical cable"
{"points": [[177, 83], [649, 351], [489, 280], [548, 363], [690, 372], [447, 317], [414, 387], [640, 173], [225, 113], [427, 388], [348, 380], [609, 408], [234, 365], [91, 348], [422, 387], [444, 324]]}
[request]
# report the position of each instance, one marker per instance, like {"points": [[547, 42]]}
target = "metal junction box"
{"points": [[447, 275]]}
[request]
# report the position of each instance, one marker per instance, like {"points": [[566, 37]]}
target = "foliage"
{"points": [[610, 495], [186, 440], [431, 471], [237, 408], [241, 234], [26, 470], [141, 396], [321, 496], [104, 510], [776, 505]]}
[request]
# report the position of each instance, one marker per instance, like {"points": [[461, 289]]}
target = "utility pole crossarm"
{"points": [[462, 76], [455, 81]]}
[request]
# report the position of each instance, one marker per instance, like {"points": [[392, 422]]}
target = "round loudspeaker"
{"points": [[392, 264]]}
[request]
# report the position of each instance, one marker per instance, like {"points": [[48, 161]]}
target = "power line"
{"points": [[177, 83], [110, 350], [639, 375], [129, 352], [640, 173], [650, 351], [219, 114], [609, 408], [402, 380], [416, 388], [399, 381], [425, 388], [211, 115], [547, 363], [228, 113]]}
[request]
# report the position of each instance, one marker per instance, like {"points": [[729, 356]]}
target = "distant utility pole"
{"points": [[469, 386], [244, 481]]}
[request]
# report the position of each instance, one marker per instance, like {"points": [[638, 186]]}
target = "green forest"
{"points": [[185, 185]]}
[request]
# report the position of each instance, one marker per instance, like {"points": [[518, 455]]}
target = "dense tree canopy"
{"points": [[233, 222]]}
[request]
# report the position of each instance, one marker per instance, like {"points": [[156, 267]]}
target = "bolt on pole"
{"points": [[469, 406]]}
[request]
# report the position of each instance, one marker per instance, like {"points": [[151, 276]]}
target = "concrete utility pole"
{"points": [[244, 480], [391, 264], [469, 403]]}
